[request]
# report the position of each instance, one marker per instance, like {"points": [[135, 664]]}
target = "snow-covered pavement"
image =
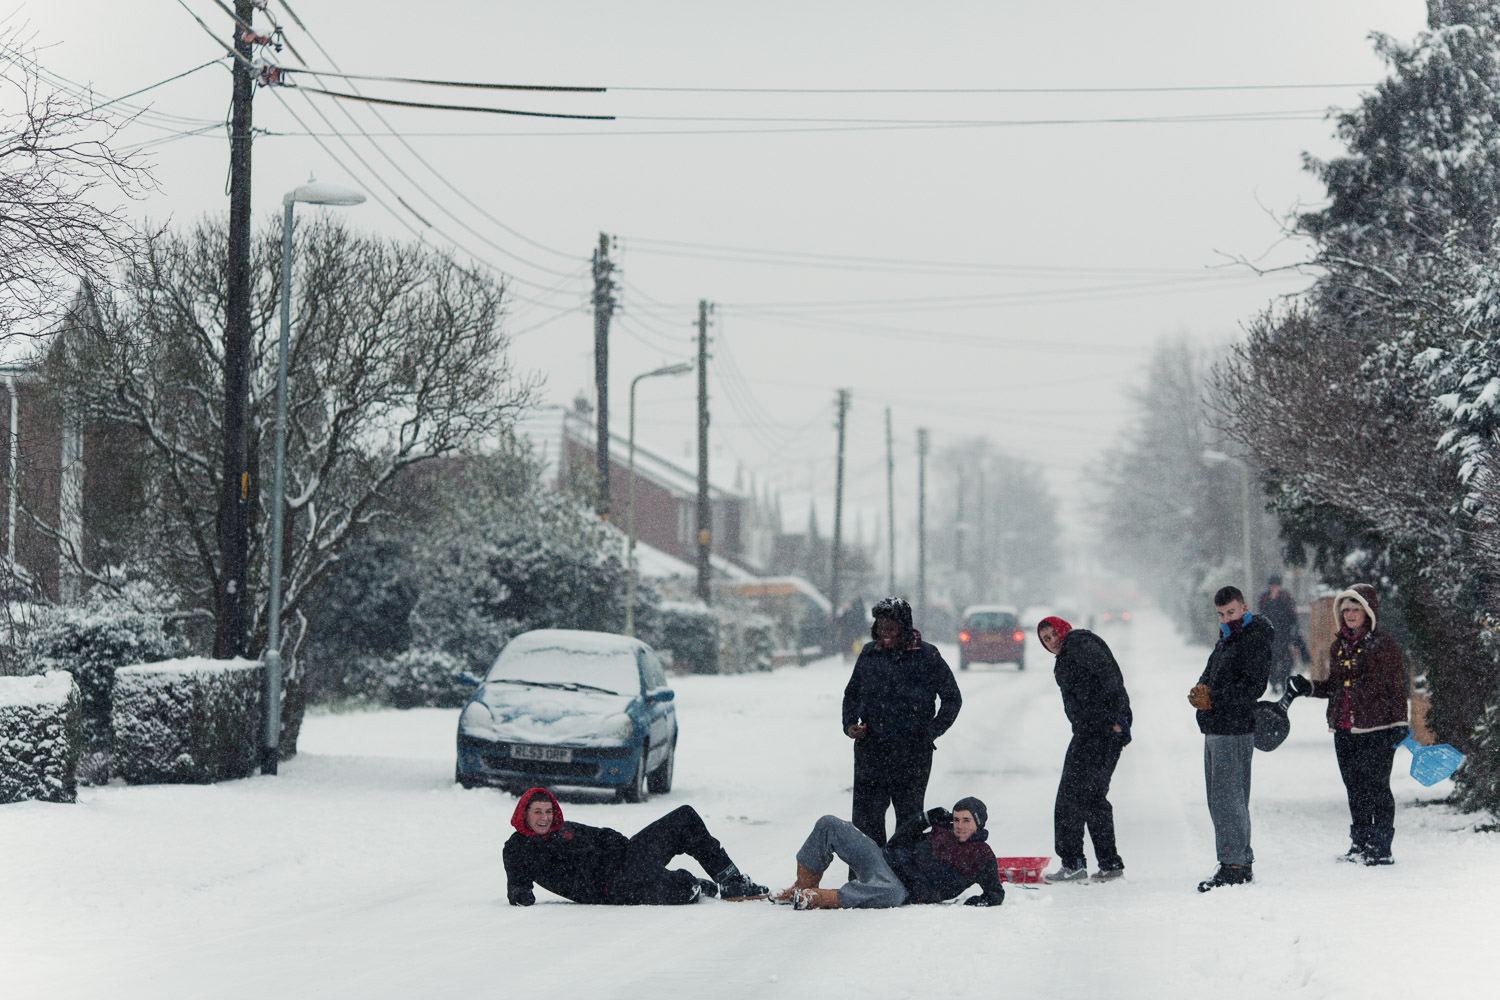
{"points": [[363, 871]]}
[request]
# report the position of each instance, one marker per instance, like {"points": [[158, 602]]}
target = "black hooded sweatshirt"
{"points": [[574, 860]]}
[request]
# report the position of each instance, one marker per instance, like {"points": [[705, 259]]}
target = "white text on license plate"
{"points": [[562, 754]]}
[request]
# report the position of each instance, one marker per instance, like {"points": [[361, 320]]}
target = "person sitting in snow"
{"points": [[914, 866], [595, 864]]}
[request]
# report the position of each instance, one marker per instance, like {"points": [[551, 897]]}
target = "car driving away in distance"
{"points": [[991, 633], [567, 707]]}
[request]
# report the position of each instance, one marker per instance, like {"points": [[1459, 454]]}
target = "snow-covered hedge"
{"points": [[417, 678], [689, 632], [40, 732], [93, 639], [747, 640], [188, 721]]}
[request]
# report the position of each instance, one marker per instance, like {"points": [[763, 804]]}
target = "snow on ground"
{"points": [[363, 871]]}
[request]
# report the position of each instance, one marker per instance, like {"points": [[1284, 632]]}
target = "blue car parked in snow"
{"points": [[565, 707]]}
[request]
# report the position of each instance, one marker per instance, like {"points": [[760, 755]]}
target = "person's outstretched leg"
{"points": [[682, 831], [877, 885]]}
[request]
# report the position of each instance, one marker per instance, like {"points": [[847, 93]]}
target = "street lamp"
{"points": [[1215, 457], [311, 193], [681, 368]]}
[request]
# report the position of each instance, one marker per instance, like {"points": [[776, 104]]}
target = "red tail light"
{"points": [[1125, 616], [963, 637], [1020, 636]]}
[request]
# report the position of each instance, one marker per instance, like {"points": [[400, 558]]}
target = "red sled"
{"points": [[1022, 871]]}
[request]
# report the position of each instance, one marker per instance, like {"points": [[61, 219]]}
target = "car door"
{"points": [[660, 711]]}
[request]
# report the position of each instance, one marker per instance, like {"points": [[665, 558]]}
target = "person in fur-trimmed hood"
{"points": [[594, 864], [1367, 714], [890, 712], [914, 867]]}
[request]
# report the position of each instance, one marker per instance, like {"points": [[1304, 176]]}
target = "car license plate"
{"points": [[559, 754]]}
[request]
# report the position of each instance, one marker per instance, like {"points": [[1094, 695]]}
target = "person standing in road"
{"points": [[1098, 709], [1225, 697], [890, 713], [1368, 715], [1278, 608]]}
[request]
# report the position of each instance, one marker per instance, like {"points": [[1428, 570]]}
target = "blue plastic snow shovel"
{"points": [[1429, 765]]}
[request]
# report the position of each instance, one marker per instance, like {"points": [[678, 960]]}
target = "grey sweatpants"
{"points": [[877, 885], [1226, 773]]}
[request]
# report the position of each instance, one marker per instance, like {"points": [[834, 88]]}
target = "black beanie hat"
{"points": [[972, 805]]}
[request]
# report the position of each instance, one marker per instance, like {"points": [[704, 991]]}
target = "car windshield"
{"points": [[992, 621], [611, 670]]}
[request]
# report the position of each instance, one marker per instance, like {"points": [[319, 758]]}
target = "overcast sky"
{"points": [[979, 214]]}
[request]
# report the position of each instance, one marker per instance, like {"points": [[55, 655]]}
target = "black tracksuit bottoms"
{"points": [[643, 879], [1082, 800]]}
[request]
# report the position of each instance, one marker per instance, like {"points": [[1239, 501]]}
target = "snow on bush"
{"points": [[188, 721], [746, 640], [417, 678], [688, 631], [40, 732], [91, 641]]}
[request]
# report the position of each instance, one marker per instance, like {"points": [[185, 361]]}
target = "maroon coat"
{"points": [[1369, 668]]}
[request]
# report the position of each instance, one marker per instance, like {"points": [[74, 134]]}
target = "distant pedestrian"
{"points": [[1368, 715], [1225, 698], [1277, 607], [1098, 709], [891, 712]]}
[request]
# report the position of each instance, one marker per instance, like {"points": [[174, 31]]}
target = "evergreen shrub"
{"points": [[192, 721], [40, 732]]}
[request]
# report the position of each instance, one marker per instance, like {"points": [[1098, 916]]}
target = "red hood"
{"points": [[1059, 626], [518, 818]]}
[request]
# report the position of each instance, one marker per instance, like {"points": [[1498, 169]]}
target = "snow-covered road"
{"points": [[362, 871]]}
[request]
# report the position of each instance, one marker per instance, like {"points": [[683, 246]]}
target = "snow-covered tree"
{"points": [[397, 358]]}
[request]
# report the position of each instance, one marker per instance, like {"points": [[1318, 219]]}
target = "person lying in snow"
{"points": [[913, 867], [594, 864]]}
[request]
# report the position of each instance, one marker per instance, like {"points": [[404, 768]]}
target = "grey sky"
{"points": [[1079, 233]]}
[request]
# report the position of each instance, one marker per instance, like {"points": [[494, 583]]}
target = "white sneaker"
{"points": [[1105, 874], [1067, 874]]}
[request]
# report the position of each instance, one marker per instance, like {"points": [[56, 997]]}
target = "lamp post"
{"points": [[311, 193], [681, 368], [1213, 456]]}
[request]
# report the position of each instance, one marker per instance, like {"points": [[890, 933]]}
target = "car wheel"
{"points": [[1020, 664], [660, 780], [963, 664], [637, 791], [467, 781]]}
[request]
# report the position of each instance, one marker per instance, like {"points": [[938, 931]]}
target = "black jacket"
{"points": [[893, 692], [1236, 675], [1093, 689], [575, 861], [936, 865]]}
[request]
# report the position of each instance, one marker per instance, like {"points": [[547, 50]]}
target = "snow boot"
{"points": [[1106, 873], [816, 899], [806, 879], [735, 886], [1378, 847], [1068, 871], [1227, 875]]}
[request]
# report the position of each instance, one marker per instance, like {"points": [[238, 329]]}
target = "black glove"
{"points": [[938, 816], [1299, 685], [522, 897], [981, 901]]}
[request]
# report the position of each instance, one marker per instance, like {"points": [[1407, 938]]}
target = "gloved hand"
{"points": [[983, 901], [1299, 685], [1198, 698], [938, 816], [522, 897]]}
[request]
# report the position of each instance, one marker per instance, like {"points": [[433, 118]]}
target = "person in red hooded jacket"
{"points": [[595, 864]]}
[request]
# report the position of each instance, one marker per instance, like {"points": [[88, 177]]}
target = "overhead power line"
{"points": [[446, 107], [1208, 88]]}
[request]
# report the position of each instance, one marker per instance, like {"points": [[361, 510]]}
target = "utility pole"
{"points": [[982, 545], [838, 523], [890, 506], [231, 590], [604, 307], [705, 512], [921, 524], [959, 527]]}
